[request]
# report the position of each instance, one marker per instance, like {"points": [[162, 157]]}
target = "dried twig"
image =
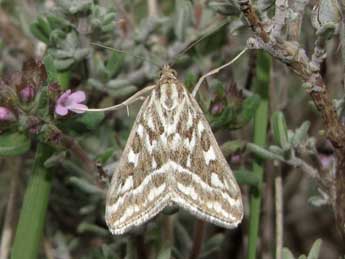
{"points": [[152, 7], [279, 17], [294, 27]]}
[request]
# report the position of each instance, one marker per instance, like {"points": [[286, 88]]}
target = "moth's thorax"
{"points": [[170, 89], [169, 95]]}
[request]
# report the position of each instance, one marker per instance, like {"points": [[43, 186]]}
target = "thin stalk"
{"points": [[10, 215], [260, 133], [278, 184], [199, 234], [32, 216]]}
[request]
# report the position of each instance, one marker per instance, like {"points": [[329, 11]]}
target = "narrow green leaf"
{"points": [[42, 107], [261, 87], [32, 215], [165, 251], [14, 144], [277, 150], [315, 250], [54, 75], [301, 133], [212, 245], [63, 64], [249, 106], [85, 227], [287, 254], [44, 25], [231, 147], [115, 63], [280, 130], [263, 153], [245, 177], [38, 33], [85, 186]]}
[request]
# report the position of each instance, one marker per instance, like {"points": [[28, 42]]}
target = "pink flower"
{"points": [[6, 114], [70, 102], [27, 93], [217, 108]]}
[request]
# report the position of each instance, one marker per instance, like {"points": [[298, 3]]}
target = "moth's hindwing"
{"points": [[172, 156]]}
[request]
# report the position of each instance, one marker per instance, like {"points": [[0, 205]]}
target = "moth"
{"points": [[171, 159]]}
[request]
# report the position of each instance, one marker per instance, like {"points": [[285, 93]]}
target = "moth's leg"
{"points": [[216, 70], [135, 97]]}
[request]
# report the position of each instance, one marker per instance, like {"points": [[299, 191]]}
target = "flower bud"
{"points": [[217, 108], [27, 93], [6, 115]]}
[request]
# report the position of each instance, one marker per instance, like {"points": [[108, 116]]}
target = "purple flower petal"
{"points": [[70, 102], [63, 97], [61, 110], [6, 114], [78, 108], [78, 96], [27, 93]]}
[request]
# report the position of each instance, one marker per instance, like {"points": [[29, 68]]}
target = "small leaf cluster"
{"points": [[34, 115], [64, 30], [287, 142], [229, 108]]}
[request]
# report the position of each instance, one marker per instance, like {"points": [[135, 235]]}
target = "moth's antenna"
{"points": [[216, 70], [125, 52], [196, 41], [135, 97]]}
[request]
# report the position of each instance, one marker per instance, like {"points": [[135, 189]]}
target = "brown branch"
{"points": [[253, 20], [198, 238], [295, 58], [77, 151]]}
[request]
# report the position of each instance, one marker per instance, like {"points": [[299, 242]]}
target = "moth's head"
{"points": [[167, 74]]}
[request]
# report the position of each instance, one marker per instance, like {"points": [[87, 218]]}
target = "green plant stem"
{"points": [[260, 133], [32, 216]]}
